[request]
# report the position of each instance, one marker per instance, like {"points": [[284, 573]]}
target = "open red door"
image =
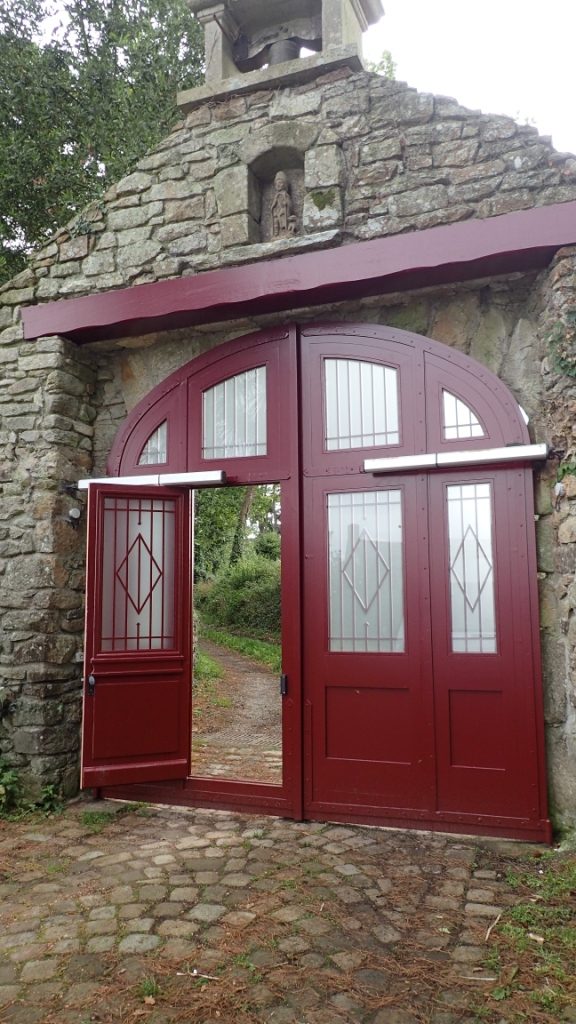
{"points": [[136, 723]]}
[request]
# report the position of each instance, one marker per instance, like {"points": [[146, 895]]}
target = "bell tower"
{"points": [[249, 42]]}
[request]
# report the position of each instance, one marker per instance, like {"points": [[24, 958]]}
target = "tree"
{"points": [[78, 111], [228, 521]]}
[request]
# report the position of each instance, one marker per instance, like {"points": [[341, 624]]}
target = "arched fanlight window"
{"points": [[460, 422], [234, 417], [155, 451], [361, 407]]}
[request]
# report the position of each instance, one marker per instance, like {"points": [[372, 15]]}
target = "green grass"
{"points": [[206, 667], [207, 673], [264, 652], [96, 821], [538, 935], [148, 987]]}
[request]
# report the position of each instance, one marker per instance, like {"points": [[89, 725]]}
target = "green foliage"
{"points": [[96, 821], [262, 651], [385, 67], [268, 545], [149, 987], [216, 515], [206, 667], [562, 341], [536, 939], [566, 469], [10, 788], [13, 802], [50, 800], [228, 520], [77, 111], [246, 597]]}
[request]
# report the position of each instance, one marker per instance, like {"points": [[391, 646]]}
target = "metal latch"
{"points": [[90, 689], [283, 685]]}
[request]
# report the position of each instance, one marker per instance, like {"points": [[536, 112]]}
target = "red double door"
{"points": [[408, 594]]}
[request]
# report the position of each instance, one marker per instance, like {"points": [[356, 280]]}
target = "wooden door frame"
{"points": [[507, 424]]}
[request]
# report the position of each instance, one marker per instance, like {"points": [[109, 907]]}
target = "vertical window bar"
{"points": [[361, 404], [239, 416]]}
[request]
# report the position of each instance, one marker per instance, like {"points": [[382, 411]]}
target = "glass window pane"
{"points": [[460, 422], [138, 575], [366, 579], [234, 417], [471, 568], [156, 448], [361, 406]]}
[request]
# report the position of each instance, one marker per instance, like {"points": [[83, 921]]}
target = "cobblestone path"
{"points": [[169, 916]]}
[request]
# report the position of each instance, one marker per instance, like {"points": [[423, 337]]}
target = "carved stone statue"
{"points": [[284, 220]]}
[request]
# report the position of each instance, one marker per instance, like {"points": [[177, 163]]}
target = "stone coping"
{"points": [[293, 72]]}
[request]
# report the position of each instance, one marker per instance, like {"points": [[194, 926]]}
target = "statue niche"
{"points": [[283, 219], [281, 180]]}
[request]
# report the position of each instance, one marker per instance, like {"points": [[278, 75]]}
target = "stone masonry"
{"points": [[378, 159]]}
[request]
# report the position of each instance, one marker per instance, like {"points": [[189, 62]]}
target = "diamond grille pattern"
{"points": [[358, 570], [471, 568], [139, 573]]}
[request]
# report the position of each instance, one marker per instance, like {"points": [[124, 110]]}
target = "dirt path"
{"points": [[237, 729]]}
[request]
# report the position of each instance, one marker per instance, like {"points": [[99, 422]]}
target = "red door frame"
{"points": [[498, 408]]}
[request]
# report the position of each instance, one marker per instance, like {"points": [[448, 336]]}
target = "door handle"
{"points": [[283, 685], [91, 686]]}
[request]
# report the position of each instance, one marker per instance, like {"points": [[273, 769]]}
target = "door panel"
{"points": [[368, 687], [486, 727], [137, 662]]}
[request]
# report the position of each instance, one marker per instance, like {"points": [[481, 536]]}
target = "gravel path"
{"points": [[242, 740]]}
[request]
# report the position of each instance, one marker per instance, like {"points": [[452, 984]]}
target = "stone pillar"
{"points": [[46, 444], [217, 45]]}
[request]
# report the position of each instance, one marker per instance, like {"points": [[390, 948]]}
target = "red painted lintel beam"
{"points": [[525, 240]]}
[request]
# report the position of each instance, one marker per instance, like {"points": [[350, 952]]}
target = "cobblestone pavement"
{"points": [[111, 913]]}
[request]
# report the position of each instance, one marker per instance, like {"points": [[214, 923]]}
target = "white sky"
{"points": [[515, 57]]}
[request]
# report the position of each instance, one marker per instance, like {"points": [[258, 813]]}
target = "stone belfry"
{"points": [[281, 188], [246, 35]]}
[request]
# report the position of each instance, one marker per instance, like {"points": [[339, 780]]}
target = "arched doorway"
{"points": [[410, 624]]}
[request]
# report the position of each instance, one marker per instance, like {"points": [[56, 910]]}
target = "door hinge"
{"points": [[283, 685]]}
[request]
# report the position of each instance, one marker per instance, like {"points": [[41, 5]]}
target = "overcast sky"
{"points": [[515, 57]]}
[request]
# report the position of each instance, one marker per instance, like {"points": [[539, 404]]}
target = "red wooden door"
{"points": [[136, 724], [486, 722], [368, 713], [420, 656], [368, 670]]}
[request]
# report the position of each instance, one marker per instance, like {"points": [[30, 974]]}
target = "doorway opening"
{"points": [[237, 662]]}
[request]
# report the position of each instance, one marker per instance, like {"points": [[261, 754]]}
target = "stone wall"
{"points": [[378, 159]]}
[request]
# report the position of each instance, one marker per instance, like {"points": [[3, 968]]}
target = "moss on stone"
{"points": [[323, 198], [409, 318]]}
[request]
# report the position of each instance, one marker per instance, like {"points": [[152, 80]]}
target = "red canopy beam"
{"points": [[525, 240]]}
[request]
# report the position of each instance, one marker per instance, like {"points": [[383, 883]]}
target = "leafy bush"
{"points": [[245, 598], [9, 788], [268, 545]]}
